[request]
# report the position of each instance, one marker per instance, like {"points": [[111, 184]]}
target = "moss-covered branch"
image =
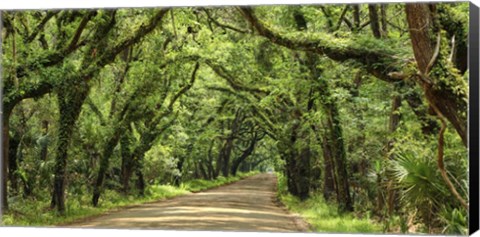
{"points": [[377, 60]]}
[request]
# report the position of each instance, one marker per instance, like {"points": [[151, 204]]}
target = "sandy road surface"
{"points": [[247, 205]]}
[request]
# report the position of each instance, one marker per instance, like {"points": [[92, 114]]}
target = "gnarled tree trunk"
{"points": [[440, 92], [236, 163], [438, 83], [70, 104]]}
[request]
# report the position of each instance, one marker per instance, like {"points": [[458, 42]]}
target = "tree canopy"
{"points": [[365, 104]]}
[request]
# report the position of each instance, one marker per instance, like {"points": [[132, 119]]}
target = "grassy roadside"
{"points": [[323, 216], [35, 213]]}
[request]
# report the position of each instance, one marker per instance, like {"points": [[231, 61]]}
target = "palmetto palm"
{"points": [[420, 184]]}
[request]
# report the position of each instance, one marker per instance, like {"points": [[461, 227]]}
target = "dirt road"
{"points": [[247, 205]]}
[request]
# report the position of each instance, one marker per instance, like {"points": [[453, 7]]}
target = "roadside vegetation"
{"points": [[361, 107], [38, 213], [323, 216]]}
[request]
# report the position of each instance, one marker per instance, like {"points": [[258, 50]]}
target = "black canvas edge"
{"points": [[473, 146]]}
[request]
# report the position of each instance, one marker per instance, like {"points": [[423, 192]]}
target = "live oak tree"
{"points": [[349, 101]]}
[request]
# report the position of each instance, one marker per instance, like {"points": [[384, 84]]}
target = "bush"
{"points": [[38, 213], [323, 216]]}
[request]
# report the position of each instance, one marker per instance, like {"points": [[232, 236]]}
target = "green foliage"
{"points": [[423, 189], [293, 90], [37, 213], [324, 216], [396, 222], [455, 221], [418, 178]]}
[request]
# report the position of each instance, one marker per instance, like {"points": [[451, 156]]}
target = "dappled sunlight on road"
{"points": [[247, 205]]}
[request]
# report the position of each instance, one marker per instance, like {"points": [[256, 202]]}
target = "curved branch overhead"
{"points": [[379, 62], [338, 104]]}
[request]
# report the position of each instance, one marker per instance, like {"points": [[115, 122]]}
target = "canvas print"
{"points": [[330, 118]]}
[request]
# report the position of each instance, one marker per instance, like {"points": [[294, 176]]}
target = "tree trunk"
{"points": [[70, 105], [394, 121], [254, 165], [104, 163], [290, 165], [226, 153], [203, 171], [374, 20], [316, 173], [303, 173], [442, 91], [127, 163], [298, 159], [44, 147], [228, 147], [380, 196], [383, 14], [451, 102], [356, 18], [329, 186], [5, 150], [14, 144], [196, 174], [178, 178], [218, 164], [210, 169], [334, 138], [236, 163], [440, 84], [245, 166], [422, 34], [140, 178], [337, 147]]}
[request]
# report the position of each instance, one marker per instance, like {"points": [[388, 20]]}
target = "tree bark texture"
{"points": [[127, 162], [236, 163], [104, 163], [423, 27], [333, 138], [394, 121], [70, 105], [374, 20]]}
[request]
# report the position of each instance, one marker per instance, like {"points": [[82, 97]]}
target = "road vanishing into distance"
{"points": [[246, 205]]}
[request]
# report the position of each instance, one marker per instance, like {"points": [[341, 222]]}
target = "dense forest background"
{"points": [[364, 105]]}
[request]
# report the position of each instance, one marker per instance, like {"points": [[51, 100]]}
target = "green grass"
{"points": [[323, 216], [37, 212]]}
